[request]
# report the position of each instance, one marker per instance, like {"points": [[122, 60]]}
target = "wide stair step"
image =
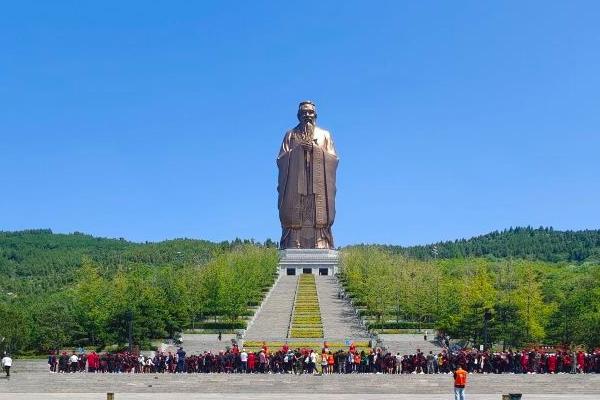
{"points": [[406, 344], [273, 319], [338, 316]]}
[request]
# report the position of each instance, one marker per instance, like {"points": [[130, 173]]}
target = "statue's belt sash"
{"points": [[319, 188]]}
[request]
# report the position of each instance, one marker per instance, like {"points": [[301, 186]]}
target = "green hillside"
{"points": [[544, 244], [76, 289], [36, 261]]}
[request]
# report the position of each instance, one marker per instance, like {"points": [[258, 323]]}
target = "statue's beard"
{"points": [[308, 129]]}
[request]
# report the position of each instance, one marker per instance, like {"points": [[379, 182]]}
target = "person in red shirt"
{"points": [[552, 363], [566, 365], [524, 362], [251, 362], [93, 362], [352, 348], [357, 360], [580, 361]]}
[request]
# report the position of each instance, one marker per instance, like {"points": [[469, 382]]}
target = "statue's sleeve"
{"points": [[286, 146], [331, 163], [329, 146], [291, 177], [283, 167]]}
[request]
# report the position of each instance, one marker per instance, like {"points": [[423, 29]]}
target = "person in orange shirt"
{"points": [[330, 362], [356, 362], [352, 348], [460, 381]]}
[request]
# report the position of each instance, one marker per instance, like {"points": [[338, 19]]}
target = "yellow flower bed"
{"points": [[300, 343], [301, 333], [303, 320], [253, 345], [307, 327], [306, 320]]}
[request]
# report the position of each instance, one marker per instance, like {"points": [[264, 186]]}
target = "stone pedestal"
{"points": [[308, 261]]}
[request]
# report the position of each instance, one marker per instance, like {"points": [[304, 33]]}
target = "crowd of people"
{"points": [[325, 361]]}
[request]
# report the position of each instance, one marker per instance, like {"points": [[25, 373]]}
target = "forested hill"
{"points": [[62, 290], [42, 259], [544, 244], [33, 261]]}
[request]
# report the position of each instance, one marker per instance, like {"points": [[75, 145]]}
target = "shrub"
{"points": [[399, 325], [221, 325]]}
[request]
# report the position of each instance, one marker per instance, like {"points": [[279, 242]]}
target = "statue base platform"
{"points": [[308, 261]]}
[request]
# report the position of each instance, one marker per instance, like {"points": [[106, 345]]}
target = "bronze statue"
{"points": [[307, 165]]}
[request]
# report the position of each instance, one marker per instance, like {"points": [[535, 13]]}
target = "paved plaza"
{"points": [[272, 396], [30, 380]]}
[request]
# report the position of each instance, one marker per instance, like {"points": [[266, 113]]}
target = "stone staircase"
{"points": [[273, 319], [197, 343], [338, 316], [409, 343]]}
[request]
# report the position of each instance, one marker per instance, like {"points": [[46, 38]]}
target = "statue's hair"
{"points": [[307, 102]]}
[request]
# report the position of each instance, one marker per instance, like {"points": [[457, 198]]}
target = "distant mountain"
{"points": [[541, 243]]}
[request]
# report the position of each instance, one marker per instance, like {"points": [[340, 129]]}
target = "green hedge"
{"points": [[221, 325], [363, 312], [400, 325]]}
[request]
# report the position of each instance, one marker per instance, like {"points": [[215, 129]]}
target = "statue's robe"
{"points": [[306, 190]]}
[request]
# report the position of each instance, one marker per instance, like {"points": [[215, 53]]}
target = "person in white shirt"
{"points": [[149, 367], [244, 360], [313, 362], [74, 360], [6, 364]]}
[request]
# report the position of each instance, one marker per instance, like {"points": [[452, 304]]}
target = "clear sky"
{"points": [[162, 119]]}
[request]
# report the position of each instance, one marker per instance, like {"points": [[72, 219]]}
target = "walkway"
{"points": [[338, 316], [272, 321]]}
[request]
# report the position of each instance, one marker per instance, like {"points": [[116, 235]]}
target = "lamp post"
{"points": [[566, 318], [434, 251], [487, 315], [129, 317]]}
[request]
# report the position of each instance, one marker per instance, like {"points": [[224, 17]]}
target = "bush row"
{"points": [[221, 325], [399, 325]]}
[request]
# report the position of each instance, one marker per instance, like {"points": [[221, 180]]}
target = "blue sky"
{"points": [[156, 120]]}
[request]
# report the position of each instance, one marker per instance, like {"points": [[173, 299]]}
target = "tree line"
{"points": [[509, 302], [543, 243], [77, 290]]}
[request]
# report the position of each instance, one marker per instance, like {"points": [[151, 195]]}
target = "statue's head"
{"points": [[307, 112]]}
